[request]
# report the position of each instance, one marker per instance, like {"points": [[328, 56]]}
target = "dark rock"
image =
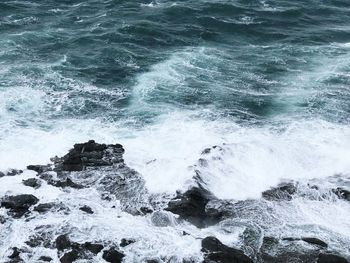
{"points": [[86, 209], [125, 242], [45, 259], [215, 251], [314, 241], [19, 204], [2, 174], [38, 168], [15, 254], [88, 154], [282, 192], [93, 248], [191, 206], [342, 193], [146, 210], [67, 183], [13, 172], [329, 258], [63, 242], [32, 182], [70, 256], [113, 256], [43, 208], [2, 220]]}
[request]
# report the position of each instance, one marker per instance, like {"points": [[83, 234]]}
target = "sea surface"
{"points": [[268, 78]]}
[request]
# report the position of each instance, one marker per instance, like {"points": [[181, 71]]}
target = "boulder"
{"points": [[32, 182], [19, 205], [126, 242], [191, 206], [342, 193], [86, 209], [113, 256], [215, 251], [45, 259]]}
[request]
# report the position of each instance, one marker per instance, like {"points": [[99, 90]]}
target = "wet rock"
{"points": [[93, 248], [113, 256], [45, 259], [2, 174], [146, 210], [191, 206], [2, 220], [66, 183], [19, 204], [310, 240], [282, 192], [43, 208], [126, 242], [342, 193], [86, 209], [63, 242], [15, 253], [330, 258], [215, 251], [32, 182], [315, 241], [90, 154], [70, 256], [38, 168], [13, 172]]}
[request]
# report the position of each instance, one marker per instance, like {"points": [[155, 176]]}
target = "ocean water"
{"points": [[268, 79]]}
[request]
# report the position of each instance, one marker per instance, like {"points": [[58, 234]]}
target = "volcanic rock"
{"points": [[19, 204]]}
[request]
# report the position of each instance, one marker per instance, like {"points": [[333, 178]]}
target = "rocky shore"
{"points": [[69, 227]]}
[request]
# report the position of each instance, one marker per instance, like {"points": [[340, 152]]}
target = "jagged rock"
{"points": [[89, 154], [67, 183], [32, 182], [2, 174], [314, 241], [215, 251], [113, 256], [86, 209], [15, 254], [342, 193], [93, 248], [330, 258], [45, 259], [38, 168], [191, 206], [19, 204], [126, 242], [70, 256], [13, 172], [63, 242], [2, 220], [46, 207], [282, 192]]}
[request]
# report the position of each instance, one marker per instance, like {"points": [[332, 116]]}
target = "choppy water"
{"points": [[170, 78]]}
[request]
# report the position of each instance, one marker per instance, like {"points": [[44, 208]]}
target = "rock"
{"points": [[342, 193], [113, 256], [215, 251], [89, 154], [32, 182], [2, 220], [15, 254], [329, 258], [126, 242], [43, 208], [282, 192], [93, 248], [191, 206], [315, 241], [38, 168], [45, 259], [2, 174], [70, 256], [67, 183], [19, 204], [63, 242], [86, 209], [146, 210], [13, 172]]}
